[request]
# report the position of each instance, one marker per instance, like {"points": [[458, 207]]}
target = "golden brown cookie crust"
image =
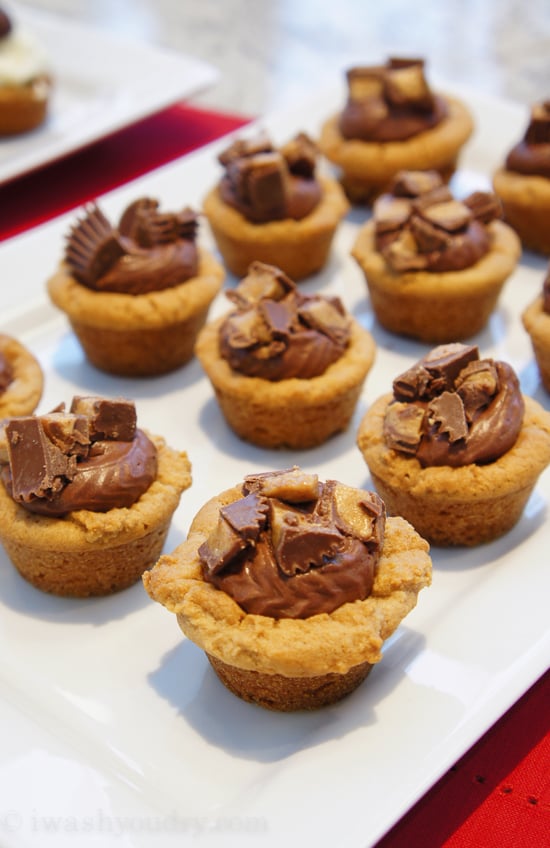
{"points": [[24, 392], [294, 413], [323, 644], [375, 163], [277, 692], [24, 107], [537, 323], [526, 203], [299, 248], [86, 553], [437, 306], [139, 335], [457, 506], [115, 311]]}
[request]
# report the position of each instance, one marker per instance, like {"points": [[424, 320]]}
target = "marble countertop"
{"points": [[271, 52]]}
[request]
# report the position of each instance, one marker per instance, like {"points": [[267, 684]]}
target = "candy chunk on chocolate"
{"points": [[261, 182], [446, 412], [391, 213], [436, 372], [247, 516], [404, 86], [413, 184], [221, 547], [243, 147], [278, 317], [404, 62], [477, 384], [447, 361], [484, 206], [247, 329], [300, 154], [451, 215], [188, 223], [439, 195], [69, 432], [412, 384], [142, 222], [157, 228], [358, 513], [262, 281], [403, 424], [93, 247], [292, 485], [299, 543], [365, 82], [127, 224], [427, 236], [108, 419], [327, 316], [403, 254], [38, 467]]}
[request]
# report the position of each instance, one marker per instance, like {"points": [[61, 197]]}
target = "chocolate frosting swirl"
{"points": [[265, 184], [419, 225], [453, 408], [293, 547], [149, 251], [531, 156], [277, 333], [6, 373], [391, 102], [91, 458]]}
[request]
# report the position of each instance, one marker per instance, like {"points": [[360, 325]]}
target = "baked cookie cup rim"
{"points": [[490, 270], [153, 310], [23, 394], [100, 530], [537, 322], [332, 207], [514, 187], [376, 162], [334, 642], [517, 469], [343, 374]]}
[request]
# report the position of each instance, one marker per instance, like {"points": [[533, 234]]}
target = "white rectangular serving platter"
{"points": [[114, 730], [102, 83]]}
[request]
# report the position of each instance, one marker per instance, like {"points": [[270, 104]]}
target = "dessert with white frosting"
{"points": [[25, 79]]}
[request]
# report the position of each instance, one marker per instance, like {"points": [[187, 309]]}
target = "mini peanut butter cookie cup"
{"points": [[291, 586], [523, 182], [26, 80], [136, 295], [287, 369], [536, 320], [434, 265], [272, 206], [21, 378], [86, 497], [393, 121], [456, 449]]}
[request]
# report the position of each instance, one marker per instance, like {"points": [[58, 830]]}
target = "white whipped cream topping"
{"points": [[21, 58]]}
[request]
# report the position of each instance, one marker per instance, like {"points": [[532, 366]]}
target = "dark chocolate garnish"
{"points": [[93, 246]]}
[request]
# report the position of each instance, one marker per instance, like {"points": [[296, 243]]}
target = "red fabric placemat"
{"points": [[498, 794], [34, 198]]}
